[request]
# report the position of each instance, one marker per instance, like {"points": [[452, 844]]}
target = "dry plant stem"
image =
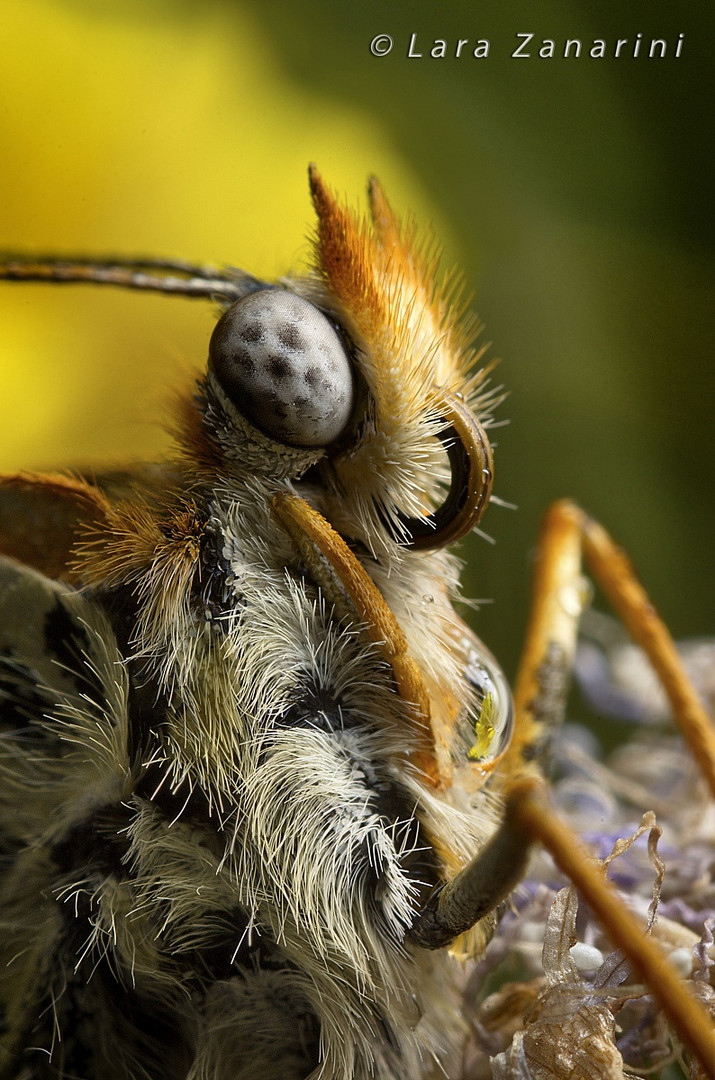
{"points": [[529, 809], [614, 574]]}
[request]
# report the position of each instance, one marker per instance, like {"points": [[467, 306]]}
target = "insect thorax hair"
{"points": [[270, 824]]}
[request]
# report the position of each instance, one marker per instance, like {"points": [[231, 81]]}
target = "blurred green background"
{"points": [[576, 195]]}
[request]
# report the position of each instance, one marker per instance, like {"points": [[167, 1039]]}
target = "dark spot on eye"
{"points": [[290, 336], [245, 361], [279, 368], [251, 333], [312, 376]]}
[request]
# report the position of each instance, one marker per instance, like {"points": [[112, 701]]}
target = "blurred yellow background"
{"points": [[576, 194]]}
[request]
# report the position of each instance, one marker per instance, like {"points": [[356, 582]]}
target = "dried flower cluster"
{"points": [[551, 998]]}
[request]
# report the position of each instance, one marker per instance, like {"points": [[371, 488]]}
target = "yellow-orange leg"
{"points": [[567, 535]]}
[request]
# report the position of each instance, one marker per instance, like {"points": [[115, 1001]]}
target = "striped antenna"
{"points": [[172, 276]]}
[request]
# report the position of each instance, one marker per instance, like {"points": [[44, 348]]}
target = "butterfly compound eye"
{"points": [[284, 366]]}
